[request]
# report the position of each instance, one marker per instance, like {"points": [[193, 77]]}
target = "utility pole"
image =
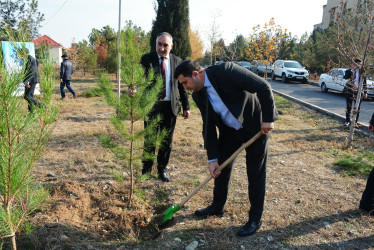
{"points": [[119, 54]]}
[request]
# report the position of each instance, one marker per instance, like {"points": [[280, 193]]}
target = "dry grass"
{"points": [[309, 203]]}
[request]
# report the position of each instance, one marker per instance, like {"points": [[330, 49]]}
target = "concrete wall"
{"points": [[56, 53], [327, 17]]}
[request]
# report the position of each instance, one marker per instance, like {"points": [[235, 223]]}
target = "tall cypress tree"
{"points": [[173, 17]]}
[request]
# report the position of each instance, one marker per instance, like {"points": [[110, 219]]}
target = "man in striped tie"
{"points": [[164, 64]]}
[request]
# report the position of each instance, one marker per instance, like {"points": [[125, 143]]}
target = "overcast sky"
{"points": [[66, 20]]}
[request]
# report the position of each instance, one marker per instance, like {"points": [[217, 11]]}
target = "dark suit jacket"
{"points": [[349, 85], [66, 70], [151, 60], [247, 96], [31, 71]]}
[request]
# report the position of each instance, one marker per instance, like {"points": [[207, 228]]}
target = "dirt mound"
{"points": [[94, 211]]}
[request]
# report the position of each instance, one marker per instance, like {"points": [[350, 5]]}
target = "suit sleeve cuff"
{"points": [[213, 160]]}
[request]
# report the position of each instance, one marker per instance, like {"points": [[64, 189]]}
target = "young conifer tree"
{"points": [[131, 110], [22, 137]]}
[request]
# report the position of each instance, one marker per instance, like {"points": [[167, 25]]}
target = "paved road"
{"points": [[331, 101]]}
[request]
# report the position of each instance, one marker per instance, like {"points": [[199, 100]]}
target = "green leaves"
{"points": [[22, 137], [138, 97]]}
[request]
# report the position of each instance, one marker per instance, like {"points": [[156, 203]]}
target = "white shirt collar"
{"points": [[166, 57]]}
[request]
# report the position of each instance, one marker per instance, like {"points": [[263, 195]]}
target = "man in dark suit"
{"points": [[351, 89], [66, 71], [238, 103], [367, 199], [30, 80], [164, 64]]}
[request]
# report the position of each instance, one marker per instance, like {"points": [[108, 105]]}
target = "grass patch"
{"points": [[161, 196], [282, 103], [93, 92], [141, 194], [147, 176], [362, 163], [117, 175]]}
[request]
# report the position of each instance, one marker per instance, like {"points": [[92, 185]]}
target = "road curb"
{"points": [[310, 106]]}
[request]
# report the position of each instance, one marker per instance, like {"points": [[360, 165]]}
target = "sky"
{"points": [[73, 20]]}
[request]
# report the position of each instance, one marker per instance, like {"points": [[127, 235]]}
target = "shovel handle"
{"points": [[222, 166]]}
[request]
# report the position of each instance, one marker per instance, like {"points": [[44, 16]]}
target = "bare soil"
{"points": [[310, 203]]}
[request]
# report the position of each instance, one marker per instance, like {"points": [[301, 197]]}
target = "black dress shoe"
{"points": [[249, 228], [164, 177], [209, 211]]}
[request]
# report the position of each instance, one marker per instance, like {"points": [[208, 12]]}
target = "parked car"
{"points": [[255, 65], [262, 67], [289, 70], [245, 64], [333, 80], [370, 86]]}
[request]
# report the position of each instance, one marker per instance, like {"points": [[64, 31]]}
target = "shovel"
{"points": [[168, 213]]}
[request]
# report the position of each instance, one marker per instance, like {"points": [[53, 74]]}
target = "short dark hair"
{"points": [[357, 60], [186, 68]]}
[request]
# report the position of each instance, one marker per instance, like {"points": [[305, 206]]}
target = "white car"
{"points": [[289, 70], [333, 80]]}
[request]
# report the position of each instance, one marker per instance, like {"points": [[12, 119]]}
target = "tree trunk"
{"points": [[13, 237], [355, 110], [14, 244], [360, 89], [131, 155]]}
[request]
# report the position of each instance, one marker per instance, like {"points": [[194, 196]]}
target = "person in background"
{"points": [[30, 80], [65, 76], [367, 199], [371, 124], [351, 89]]}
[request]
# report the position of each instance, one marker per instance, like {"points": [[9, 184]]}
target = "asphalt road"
{"points": [[331, 101]]}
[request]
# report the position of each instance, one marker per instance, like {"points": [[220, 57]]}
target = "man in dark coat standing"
{"points": [[351, 91], [164, 64], [65, 76], [238, 103], [30, 80]]}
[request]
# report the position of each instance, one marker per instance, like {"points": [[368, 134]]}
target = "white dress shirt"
{"points": [[219, 107], [357, 79]]}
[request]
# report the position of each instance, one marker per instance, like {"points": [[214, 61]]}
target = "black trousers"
{"points": [[256, 157], [167, 122], [367, 200], [350, 98], [29, 97]]}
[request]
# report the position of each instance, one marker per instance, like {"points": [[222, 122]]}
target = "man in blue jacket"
{"points": [[65, 76]]}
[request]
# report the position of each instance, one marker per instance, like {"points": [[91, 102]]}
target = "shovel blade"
{"points": [[168, 213]]}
